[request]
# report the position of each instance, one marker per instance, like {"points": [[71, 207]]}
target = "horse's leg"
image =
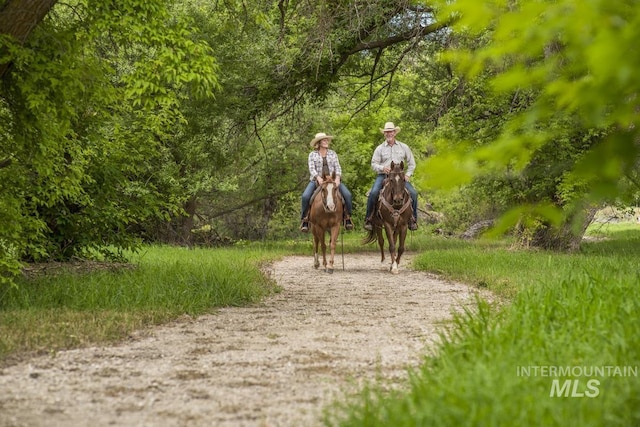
{"points": [[394, 256], [403, 236], [335, 231], [380, 242], [324, 250], [316, 242], [391, 239]]}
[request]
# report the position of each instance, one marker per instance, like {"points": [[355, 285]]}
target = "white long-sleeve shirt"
{"points": [[384, 154]]}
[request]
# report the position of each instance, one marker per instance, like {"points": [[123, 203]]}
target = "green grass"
{"points": [[570, 310], [506, 271], [68, 310]]}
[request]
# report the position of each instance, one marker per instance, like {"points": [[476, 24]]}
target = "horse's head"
{"points": [[330, 193], [396, 184]]}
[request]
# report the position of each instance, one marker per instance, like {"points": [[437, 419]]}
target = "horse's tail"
{"points": [[370, 237]]}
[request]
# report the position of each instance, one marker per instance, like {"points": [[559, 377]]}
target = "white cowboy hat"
{"points": [[389, 126], [319, 137]]}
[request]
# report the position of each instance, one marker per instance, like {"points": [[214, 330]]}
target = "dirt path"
{"points": [[273, 364]]}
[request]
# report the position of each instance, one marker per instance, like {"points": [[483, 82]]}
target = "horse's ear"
{"points": [[392, 164], [333, 175], [402, 165]]}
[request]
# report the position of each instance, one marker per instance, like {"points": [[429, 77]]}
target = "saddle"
{"points": [[317, 190]]}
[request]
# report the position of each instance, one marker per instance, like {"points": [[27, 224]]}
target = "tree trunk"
{"points": [[568, 237], [185, 224], [18, 18], [476, 229]]}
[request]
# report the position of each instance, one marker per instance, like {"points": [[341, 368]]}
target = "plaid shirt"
{"points": [[315, 164], [385, 153]]}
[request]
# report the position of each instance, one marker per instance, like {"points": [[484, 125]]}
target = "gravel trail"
{"points": [[276, 363]]}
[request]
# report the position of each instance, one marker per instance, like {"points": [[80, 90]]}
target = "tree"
{"points": [[87, 124], [577, 62], [282, 61], [18, 18]]}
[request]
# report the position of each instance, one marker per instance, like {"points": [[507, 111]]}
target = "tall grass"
{"points": [[69, 309], [578, 311]]}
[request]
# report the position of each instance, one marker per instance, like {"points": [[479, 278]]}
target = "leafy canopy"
{"points": [[579, 57]]}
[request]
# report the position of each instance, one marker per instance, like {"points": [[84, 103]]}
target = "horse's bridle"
{"points": [[324, 199], [396, 212]]}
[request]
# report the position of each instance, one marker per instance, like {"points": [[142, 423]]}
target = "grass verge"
{"points": [[66, 309]]}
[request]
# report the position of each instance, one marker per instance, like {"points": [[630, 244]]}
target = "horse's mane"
{"points": [[329, 178]]}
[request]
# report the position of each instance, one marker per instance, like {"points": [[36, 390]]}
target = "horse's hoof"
{"points": [[330, 270]]}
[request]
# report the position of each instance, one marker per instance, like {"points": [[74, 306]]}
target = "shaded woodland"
{"points": [[187, 122]]}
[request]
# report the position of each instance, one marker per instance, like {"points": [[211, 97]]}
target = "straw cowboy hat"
{"points": [[389, 126], [319, 137]]}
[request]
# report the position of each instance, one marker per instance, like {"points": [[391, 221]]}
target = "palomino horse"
{"points": [[393, 213], [325, 215]]}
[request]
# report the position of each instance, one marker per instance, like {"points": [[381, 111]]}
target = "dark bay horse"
{"points": [[325, 215], [393, 213]]}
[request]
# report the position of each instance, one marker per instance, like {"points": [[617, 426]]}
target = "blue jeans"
{"points": [[308, 192], [375, 192]]}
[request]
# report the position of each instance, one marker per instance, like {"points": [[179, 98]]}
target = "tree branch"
{"points": [[410, 34], [18, 18], [5, 163]]}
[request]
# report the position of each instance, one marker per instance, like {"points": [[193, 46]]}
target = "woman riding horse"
{"points": [[322, 162]]}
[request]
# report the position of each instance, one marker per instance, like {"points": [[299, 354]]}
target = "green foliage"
{"points": [[562, 59], [88, 121], [502, 135], [191, 160]]}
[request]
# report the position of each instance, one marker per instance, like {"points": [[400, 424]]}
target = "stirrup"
{"points": [[304, 227], [348, 224]]}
